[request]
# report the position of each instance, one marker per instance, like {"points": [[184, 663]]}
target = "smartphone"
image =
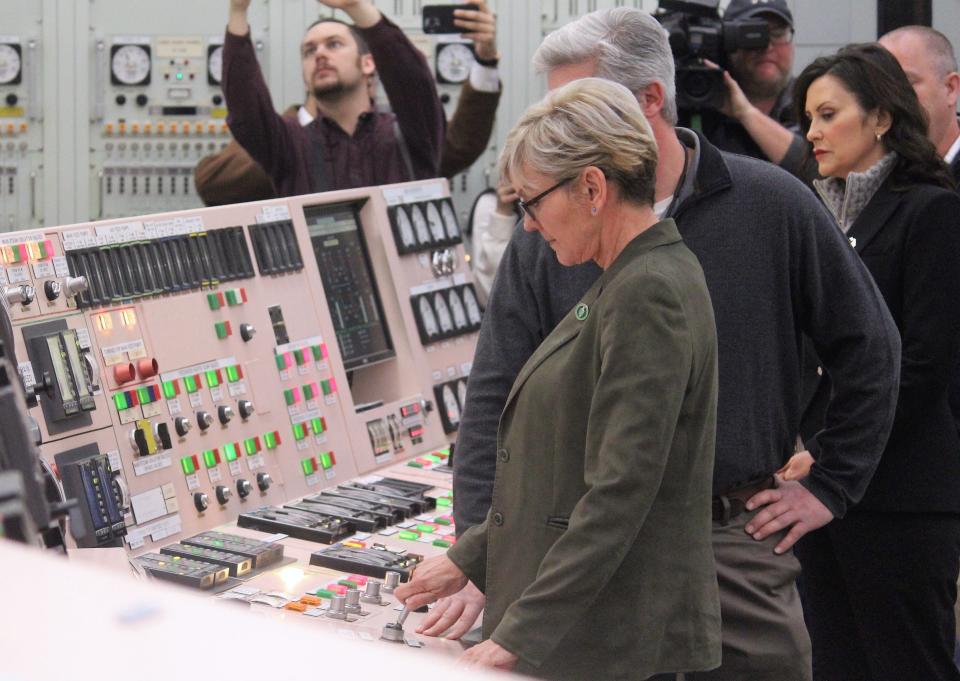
{"points": [[439, 18]]}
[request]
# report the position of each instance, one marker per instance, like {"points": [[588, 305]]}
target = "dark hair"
{"points": [[874, 77], [362, 47]]}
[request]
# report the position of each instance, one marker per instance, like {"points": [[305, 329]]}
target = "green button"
{"points": [[191, 384], [231, 297], [144, 396], [221, 329], [317, 353], [232, 374], [316, 425], [213, 380], [307, 466], [210, 458], [213, 301], [250, 446], [442, 543], [443, 501], [281, 362], [298, 432], [299, 357], [433, 459], [169, 389], [442, 521], [288, 397], [186, 463], [347, 583], [308, 392], [426, 528], [324, 593], [326, 461], [407, 534], [415, 464], [120, 401], [271, 440], [326, 386], [230, 451]]}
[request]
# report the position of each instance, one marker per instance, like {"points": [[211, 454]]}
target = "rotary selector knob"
{"points": [[244, 488], [182, 425], [247, 331], [225, 413], [201, 501], [264, 481], [245, 407], [52, 289], [224, 494], [204, 419], [73, 286], [23, 294]]}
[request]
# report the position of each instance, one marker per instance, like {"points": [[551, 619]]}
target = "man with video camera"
{"points": [[757, 117]]}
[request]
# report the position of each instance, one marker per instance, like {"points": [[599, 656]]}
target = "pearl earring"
{"points": [[593, 211], [879, 135]]}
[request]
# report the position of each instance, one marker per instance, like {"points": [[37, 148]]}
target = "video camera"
{"points": [[697, 32]]}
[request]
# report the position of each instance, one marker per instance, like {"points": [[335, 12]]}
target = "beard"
{"points": [[755, 88], [333, 90]]}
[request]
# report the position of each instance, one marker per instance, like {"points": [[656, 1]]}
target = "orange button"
{"points": [[108, 128], [311, 600], [161, 127], [23, 127], [224, 128], [121, 128], [299, 607], [212, 128], [147, 127], [174, 128], [199, 128], [10, 128], [135, 128]]}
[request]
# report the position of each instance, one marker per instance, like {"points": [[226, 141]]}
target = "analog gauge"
{"points": [[443, 313], [428, 318], [436, 223], [450, 220], [215, 64], [473, 307], [420, 225], [453, 62], [451, 406], [405, 229], [456, 306], [130, 65], [10, 64], [462, 392]]}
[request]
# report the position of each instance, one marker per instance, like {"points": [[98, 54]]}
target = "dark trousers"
{"points": [[878, 592]]}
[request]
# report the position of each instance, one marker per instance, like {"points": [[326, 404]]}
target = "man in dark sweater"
{"points": [[776, 267], [348, 144]]}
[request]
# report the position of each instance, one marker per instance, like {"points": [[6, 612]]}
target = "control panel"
{"points": [[242, 363]]}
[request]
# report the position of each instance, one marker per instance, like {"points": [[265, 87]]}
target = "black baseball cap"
{"points": [[750, 9]]}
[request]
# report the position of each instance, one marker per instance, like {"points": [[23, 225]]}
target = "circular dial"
{"points": [[456, 307], [436, 223], [450, 220], [9, 64], [131, 64], [405, 229], [473, 307], [443, 313], [451, 406], [215, 63], [420, 225], [462, 392], [428, 318], [454, 61]]}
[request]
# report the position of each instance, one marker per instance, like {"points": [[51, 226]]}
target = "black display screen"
{"points": [[341, 253]]}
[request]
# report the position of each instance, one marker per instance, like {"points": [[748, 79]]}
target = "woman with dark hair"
{"points": [[879, 584]]}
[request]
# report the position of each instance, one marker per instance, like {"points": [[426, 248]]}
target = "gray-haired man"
{"points": [[776, 268]]}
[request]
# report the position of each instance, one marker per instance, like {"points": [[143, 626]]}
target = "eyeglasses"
{"points": [[781, 36], [526, 207]]}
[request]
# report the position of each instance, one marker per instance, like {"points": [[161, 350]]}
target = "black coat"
{"points": [[910, 242]]}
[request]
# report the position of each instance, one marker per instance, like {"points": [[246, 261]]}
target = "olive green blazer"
{"points": [[596, 556]]}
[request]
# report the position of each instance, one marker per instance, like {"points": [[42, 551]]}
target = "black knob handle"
{"points": [[141, 100], [204, 420], [264, 481], [217, 100], [247, 331], [182, 425], [201, 501], [245, 407], [12, 99], [163, 434], [223, 494], [225, 413], [52, 289], [121, 100], [244, 488]]}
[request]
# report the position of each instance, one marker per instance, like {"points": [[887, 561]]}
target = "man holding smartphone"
{"points": [[348, 144]]}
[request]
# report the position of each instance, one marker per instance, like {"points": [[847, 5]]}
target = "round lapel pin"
{"points": [[582, 311]]}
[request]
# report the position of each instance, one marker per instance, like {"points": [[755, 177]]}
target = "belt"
{"points": [[733, 503]]}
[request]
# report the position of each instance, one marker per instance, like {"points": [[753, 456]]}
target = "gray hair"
{"points": [[630, 47], [588, 122], [935, 42]]}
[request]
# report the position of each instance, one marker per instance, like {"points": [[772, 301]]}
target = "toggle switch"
{"points": [[163, 434], [147, 368], [123, 373], [204, 419], [244, 488], [182, 425], [142, 438], [247, 332], [52, 289], [23, 294], [225, 414], [245, 407], [224, 494], [264, 481], [201, 501]]}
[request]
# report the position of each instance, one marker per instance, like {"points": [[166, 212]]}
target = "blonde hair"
{"points": [[588, 122]]}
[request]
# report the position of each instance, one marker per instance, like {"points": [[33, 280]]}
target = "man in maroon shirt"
{"points": [[348, 144]]}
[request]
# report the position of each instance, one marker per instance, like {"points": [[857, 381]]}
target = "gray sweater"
{"points": [[776, 267]]}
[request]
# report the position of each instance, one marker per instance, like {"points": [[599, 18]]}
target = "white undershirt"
{"points": [[952, 151], [304, 117], [661, 206]]}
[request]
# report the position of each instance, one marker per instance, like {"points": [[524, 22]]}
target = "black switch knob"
{"points": [[204, 420], [264, 481], [225, 413], [245, 407], [182, 425], [217, 100], [244, 488], [121, 100], [201, 501], [140, 442], [163, 434], [52, 289], [141, 100], [223, 494], [247, 331], [12, 99]]}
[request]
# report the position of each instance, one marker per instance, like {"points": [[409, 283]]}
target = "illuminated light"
{"points": [[272, 440], [179, 76], [231, 297], [213, 301], [233, 373], [358, 579], [230, 451], [324, 593], [46, 249], [329, 386], [128, 318], [443, 501], [443, 520], [427, 527], [188, 466], [317, 425], [223, 330], [250, 446], [423, 461], [121, 402], [20, 251], [326, 460], [311, 600], [298, 432], [210, 458], [143, 394], [33, 250], [409, 535], [296, 606], [192, 383], [347, 583], [414, 464], [214, 378], [307, 466], [337, 588], [442, 543], [432, 459], [171, 389]]}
